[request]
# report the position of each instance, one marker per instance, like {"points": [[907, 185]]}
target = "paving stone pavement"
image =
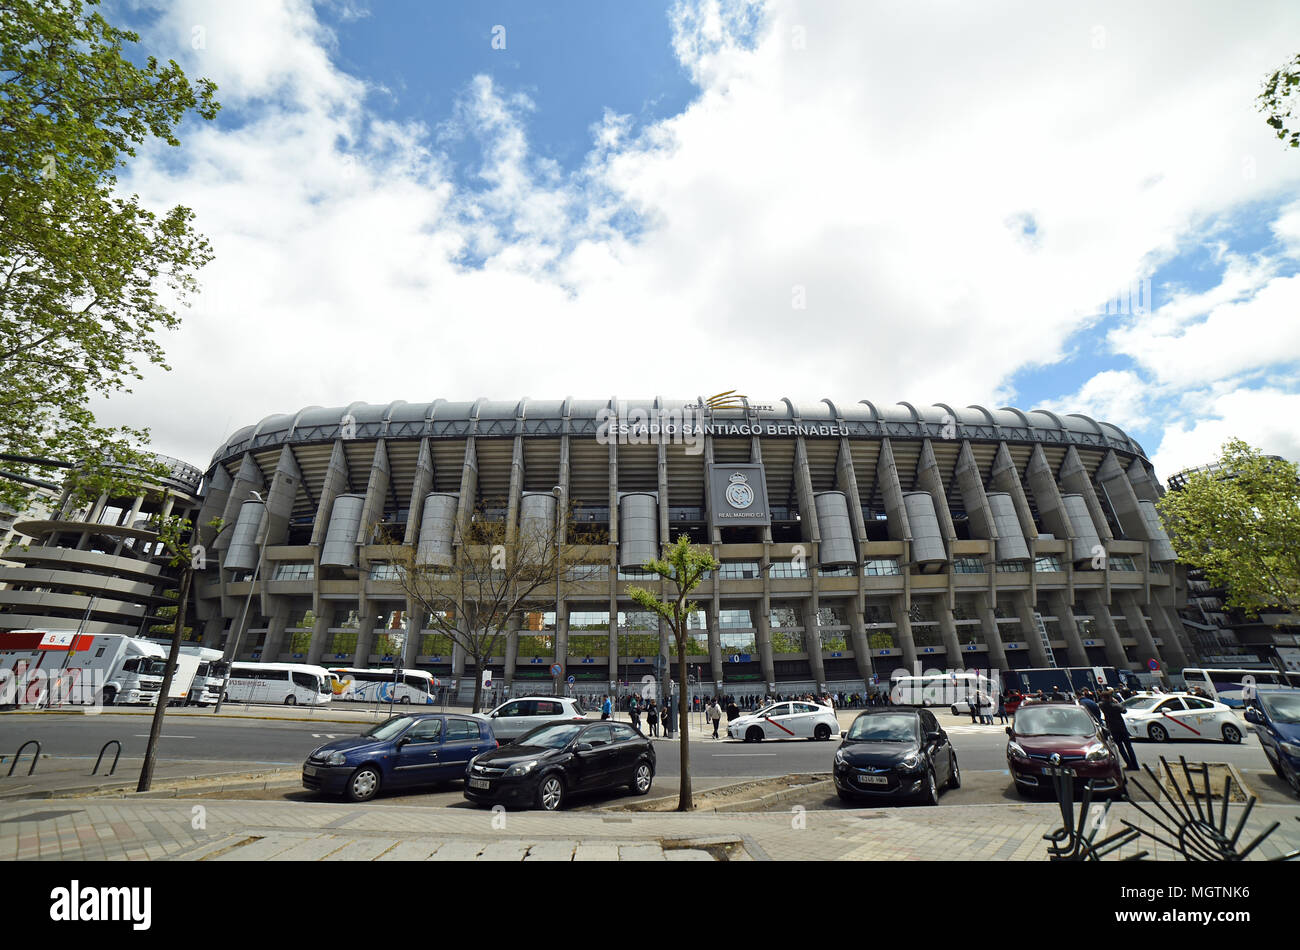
{"points": [[176, 829]]}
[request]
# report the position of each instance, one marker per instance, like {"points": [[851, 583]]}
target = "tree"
{"points": [[82, 268], [493, 574], [1279, 102], [681, 568], [1239, 522], [176, 535]]}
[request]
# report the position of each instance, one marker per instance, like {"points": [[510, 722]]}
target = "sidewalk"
{"points": [[180, 829]]}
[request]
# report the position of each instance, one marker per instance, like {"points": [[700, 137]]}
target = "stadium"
{"points": [[853, 538]]}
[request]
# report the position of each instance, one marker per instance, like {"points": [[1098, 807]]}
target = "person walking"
{"points": [[986, 709], [634, 712], [665, 715], [606, 707], [1113, 711], [715, 714], [973, 701], [652, 718], [1002, 708], [733, 712]]}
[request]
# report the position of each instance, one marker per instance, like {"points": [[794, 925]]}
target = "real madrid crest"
{"points": [[739, 494]]}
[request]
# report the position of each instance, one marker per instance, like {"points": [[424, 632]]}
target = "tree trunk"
{"points": [[155, 730], [684, 800], [478, 683]]}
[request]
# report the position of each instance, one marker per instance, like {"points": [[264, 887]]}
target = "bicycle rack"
{"points": [[117, 755], [18, 754]]}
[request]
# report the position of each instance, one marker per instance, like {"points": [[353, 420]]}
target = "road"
{"points": [[263, 743]]}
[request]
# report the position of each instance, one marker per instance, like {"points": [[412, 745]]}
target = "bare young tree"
{"points": [[470, 589]]}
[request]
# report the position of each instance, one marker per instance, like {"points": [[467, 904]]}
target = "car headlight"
{"points": [[1017, 750], [912, 762], [839, 757], [1097, 753], [521, 768], [336, 758], [1291, 748]]}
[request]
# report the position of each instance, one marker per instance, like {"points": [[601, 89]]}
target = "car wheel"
{"points": [[550, 792], [954, 773], [404, 700], [364, 784], [1231, 734], [753, 734], [930, 796], [953, 709], [642, 778], [1157, 732], [822, 732]]}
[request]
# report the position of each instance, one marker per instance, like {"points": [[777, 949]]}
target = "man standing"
{"points": [[1090, 704], [606, 707], [1113, 711], [973, 700], [715, 714]]}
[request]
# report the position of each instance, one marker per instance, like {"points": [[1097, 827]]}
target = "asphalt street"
{"points": [[263, 743]]}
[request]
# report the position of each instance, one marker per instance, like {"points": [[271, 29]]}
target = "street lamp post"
{"points": [[563, 661], [239, 631]]}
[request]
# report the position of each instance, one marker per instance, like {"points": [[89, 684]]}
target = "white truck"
{"points": [[194, 682], [50, 667]]}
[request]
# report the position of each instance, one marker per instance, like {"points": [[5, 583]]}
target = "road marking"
{"points": [[323, 735], [737, 755], [167, 737]]}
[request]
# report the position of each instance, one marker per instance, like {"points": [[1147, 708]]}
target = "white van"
{"points": [[939, 689], [289, 683]]}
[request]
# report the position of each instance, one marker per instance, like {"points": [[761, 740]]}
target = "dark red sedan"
{"points": [[1045, 736]]}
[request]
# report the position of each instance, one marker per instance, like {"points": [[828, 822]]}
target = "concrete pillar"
{"points": [[970, 483], [420, 486], [1006, 478], [1146, 646], [213, 628], [1074, 479], [846, 480], [763, 628], [334, 484], [274, 644], [214, 504], [812, 639], [930, 479], [1047, 496], [1025, 611], [1173, 653], [992, 635], [803, 487], [891, 491], [948, 630], [1064, 610], [903, 630], [515, 491], [1096, 605], [320, 633], [858, 633], [249, 478], [376, 498]]}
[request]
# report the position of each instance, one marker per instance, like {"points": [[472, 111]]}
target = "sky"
{"points": [[1006, 204]]}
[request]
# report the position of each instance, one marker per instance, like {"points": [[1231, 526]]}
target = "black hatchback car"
{"points": [[892, 754], [542, 768]]}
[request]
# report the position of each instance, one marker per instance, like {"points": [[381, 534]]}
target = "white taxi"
{"points": [[786, 720], [1161, 717]]}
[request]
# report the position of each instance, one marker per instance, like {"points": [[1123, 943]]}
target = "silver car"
{"points": [[514, 717]]}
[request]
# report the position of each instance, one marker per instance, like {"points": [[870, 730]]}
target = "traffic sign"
{"points": [[1153, 665], [572, 679], [556, 669]]}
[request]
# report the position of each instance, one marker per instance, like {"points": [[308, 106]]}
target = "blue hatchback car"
{"points": [[1275, 713], [403, 752]]}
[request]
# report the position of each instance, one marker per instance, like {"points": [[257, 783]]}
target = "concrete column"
{"points": [[414, 621], [1146, 648], [511, 651], [858, 633], [1064, 610], [1042, 482], [365, 632], [756, 455], [992, 636], [515, 491], [803, 487], [421, 486], [213, 627], [280, 498], [715, 643], [273, 645], [1173, 653], [665, 538], [846, 480], [334, 484], [214, 504], [812, 638], [562, 635], [1025, 611], [970, 483], [948, 630], [891, 491], [903, 630], [1006, 478], [929, 479], [468, 489], [1074, 479], [1096, 605], [249, 478], [562, 503], [1144, 482], [1123, 499], [320, 634], [763, 626], [376, 497]]}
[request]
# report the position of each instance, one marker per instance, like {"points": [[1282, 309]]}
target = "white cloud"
{"points": [[1268, 419], [1115, 396], [887, 168]]}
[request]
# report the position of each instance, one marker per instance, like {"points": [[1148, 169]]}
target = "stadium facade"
{"points": [[854, 538]]}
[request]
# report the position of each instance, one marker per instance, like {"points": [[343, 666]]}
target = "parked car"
{"points": [[1275, 714], [895, 754], [1045, 736], [792, 720], [1160, 717], [514, 717], [402, 752], [547, 765]]}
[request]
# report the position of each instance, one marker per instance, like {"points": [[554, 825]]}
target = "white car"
{"points": [[514, 717], [786, 720], [1161, 717]]}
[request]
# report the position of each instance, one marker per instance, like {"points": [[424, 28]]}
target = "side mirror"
{"points": [[582, 747], [405, 740], [1008, 730], [844, 733], [495, 714], [932, 736], [1252, 715]]}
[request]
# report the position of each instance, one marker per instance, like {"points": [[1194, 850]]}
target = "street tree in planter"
{"points": [[681, 569]]}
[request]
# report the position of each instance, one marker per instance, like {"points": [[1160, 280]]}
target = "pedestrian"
{"points": [[973, 701], [606, 707], [1113, 711], [665, 717], [634, 713], [1002, 708], [715, 714], [652, 718], [733, 712], [1090, 704]]}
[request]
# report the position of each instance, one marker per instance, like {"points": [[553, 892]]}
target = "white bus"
{"points": [[288, 683], [383, 686], [1227, 685], [940, 689]]}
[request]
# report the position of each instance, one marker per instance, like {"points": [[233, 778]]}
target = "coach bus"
{"points": [[384, 686], [289, 683], [1227, 685]]}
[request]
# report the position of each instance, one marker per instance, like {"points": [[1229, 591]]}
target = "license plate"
{"points": [[873, 779], [1057, 770], [479, 783], [309, 770]]}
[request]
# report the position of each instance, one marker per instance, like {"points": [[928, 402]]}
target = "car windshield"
{"points": [[556, 736], [1054, 721], [1281, 707], [1143, 702], [389, 728], [891, 727]]}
